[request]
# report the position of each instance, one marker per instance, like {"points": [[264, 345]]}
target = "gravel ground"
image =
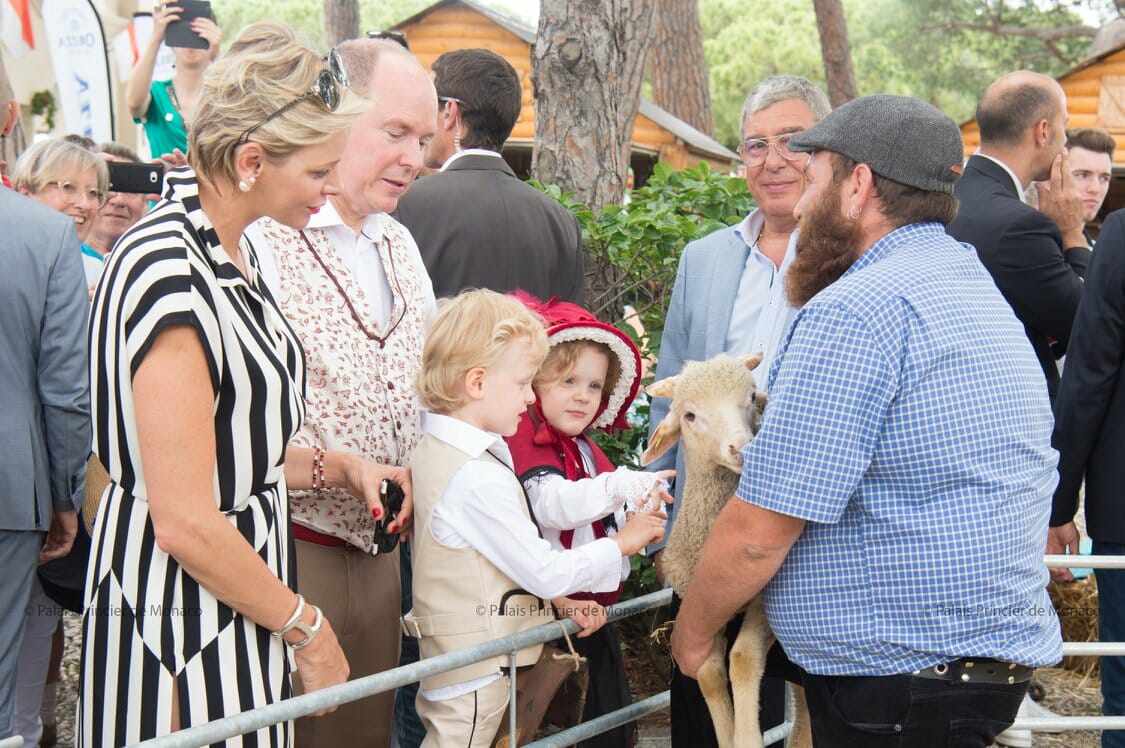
{"points": [[68, 682]]}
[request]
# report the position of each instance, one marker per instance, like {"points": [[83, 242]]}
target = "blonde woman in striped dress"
{"points": [[198, 384]]}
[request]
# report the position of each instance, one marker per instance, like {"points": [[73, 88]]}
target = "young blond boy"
{"points": [[481, 568]]}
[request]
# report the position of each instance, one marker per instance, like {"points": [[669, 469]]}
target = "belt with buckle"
{"points": [[977, 670]]}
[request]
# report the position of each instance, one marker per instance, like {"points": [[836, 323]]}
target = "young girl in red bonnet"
{"points": [[588, 381]]}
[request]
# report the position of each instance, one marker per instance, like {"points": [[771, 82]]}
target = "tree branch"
{"points": [[1043, 35], [1049, 37]]}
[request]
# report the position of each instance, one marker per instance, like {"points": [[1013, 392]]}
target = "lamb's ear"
{"points": [[752, 361], [664, 388], [666, 434]]}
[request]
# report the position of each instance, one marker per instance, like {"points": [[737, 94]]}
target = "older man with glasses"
{"points": [[729, 298]]}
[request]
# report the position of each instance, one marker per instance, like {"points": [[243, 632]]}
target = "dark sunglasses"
{"points": [[327, 88], [392, 496], [397, 37]]}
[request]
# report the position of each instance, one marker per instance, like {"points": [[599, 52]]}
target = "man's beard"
{"points": [[827, 245]]}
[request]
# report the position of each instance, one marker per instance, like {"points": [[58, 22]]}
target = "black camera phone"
{"points": [[179, 33], [392, 497], [138, 178]]}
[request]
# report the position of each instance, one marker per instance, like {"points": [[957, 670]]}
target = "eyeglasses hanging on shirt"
{"points": [[382, 339]]}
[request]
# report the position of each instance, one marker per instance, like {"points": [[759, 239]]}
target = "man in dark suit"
{"points": [[44, 403], [1037, 258], [1090, 436], [476, 224]]}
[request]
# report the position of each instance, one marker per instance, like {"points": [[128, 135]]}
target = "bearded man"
{"points": [[907, 419]]}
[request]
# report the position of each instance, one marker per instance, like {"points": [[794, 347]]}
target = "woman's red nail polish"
{"points": [[376, 513]]}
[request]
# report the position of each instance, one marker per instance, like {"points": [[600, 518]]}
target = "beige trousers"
{"points": [[471, 720], [361, 595]]}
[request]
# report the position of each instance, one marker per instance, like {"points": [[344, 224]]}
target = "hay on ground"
{"points": [[1077, 606]]}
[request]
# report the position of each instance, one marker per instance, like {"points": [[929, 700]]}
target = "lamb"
{"points": [[714, 413]]}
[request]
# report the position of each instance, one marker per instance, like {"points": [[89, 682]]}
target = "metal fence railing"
{"points": [[305, 704], [300, 706]]}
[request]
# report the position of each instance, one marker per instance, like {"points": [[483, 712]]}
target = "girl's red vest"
{"points": [[538, 448]]}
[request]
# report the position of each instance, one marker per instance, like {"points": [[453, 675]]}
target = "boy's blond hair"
{"points": [[472, 330]]}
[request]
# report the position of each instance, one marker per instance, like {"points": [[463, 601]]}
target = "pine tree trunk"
{"points": [[836, 50], [586, 71], [341, 20], [676, 66], [587, 67]]}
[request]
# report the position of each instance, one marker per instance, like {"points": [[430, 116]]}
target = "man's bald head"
{"points": [[1014, 104], [383, 153], [362, 56]]}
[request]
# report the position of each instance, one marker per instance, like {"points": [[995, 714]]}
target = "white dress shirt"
{"points": [[561, 504], [358, 252], [1012, 174], [478, 503], [479, 510], [468, 152], [761, 309]]}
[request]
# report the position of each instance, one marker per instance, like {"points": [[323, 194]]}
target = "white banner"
{"points": [[130, 43], [78, 51]]}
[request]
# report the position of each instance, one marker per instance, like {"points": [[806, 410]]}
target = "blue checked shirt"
{"points": [[909, 425]]}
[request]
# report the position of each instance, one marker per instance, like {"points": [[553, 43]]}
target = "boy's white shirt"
{"points": [[478, 510]]}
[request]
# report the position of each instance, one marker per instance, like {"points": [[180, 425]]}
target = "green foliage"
{"points": [[43, 102], [642, 578], [632, 251], [898, 46], [306, 17]]}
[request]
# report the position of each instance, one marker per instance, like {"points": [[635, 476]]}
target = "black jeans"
{"points": [[905, 711]]}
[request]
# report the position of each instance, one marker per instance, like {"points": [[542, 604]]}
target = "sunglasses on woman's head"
{"points": [[393, 35], [327, 88]]}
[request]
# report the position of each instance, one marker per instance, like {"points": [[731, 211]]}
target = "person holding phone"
{"points": [[354, 288], [119, 212], [166, 107]]}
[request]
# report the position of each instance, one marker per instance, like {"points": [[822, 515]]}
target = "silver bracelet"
{"points": [[293, 619], [310, 631]]}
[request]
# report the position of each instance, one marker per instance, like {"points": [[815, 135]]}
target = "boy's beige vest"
{"points": [[460, 598]]}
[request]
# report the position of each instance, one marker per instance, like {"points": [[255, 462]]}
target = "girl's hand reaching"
{"points": [[640, 529], [640, 491]]}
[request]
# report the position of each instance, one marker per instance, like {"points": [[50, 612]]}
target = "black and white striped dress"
{"points": [[148, 626]]}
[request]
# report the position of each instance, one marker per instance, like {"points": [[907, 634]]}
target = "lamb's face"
{"points": [[714, 411], [718, 425]]}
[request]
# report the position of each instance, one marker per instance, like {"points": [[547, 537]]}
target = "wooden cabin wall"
{"points": [[460, 27]]}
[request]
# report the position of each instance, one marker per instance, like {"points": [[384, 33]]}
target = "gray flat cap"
{"points": [[903, 139]]}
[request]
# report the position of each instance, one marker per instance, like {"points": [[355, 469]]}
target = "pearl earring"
{"points": [[246, 184]]}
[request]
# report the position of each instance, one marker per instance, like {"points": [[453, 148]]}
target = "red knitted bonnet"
{"points": [[566, 322]]}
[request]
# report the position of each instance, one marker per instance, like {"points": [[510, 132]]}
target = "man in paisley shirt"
{"points": [[355, 290]]}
